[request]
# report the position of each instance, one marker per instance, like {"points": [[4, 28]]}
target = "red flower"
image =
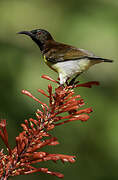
{"points": [[27, 152]]}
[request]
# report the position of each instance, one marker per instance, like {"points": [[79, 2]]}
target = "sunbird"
{"points": [[68, 61]]}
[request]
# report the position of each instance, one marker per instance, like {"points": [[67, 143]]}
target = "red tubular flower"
{"points": [[4, 134], [27, 152]]}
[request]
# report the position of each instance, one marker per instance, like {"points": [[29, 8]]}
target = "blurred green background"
{"points": [[88, 24]]}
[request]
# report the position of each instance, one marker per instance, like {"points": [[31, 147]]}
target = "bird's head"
{"points": [[39, 36]]}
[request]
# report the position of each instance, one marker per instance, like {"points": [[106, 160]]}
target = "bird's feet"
{"points": [[72, 82]]}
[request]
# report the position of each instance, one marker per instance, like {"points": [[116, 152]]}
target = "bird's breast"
{"points": [[50, 64], [72, 67], [45, 60]]}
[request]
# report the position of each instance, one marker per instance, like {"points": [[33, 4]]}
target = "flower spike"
{"points": [[35, 134]]}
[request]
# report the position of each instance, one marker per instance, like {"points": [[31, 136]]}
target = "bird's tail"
{"points": [[106, 60], [101, 59]]}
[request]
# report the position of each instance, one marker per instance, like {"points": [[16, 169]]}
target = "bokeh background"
{"points": [[89, 24]]}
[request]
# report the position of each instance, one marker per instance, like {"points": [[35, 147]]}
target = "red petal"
{"points": [[30, 95], [42, 92], [49, 78], [59, 175], [88, 84]]}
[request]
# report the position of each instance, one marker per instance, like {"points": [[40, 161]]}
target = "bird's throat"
{"points": [[39, 43]]}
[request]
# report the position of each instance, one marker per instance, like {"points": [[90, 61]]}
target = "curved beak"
{"points": [[28, 33]]}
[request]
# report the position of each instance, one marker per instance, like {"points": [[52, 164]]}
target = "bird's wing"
{"points": [[76, 53], [66, 53], [84, 54], [63, 52]]}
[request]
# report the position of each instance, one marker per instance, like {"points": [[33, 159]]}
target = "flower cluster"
{"points": [[35, 134]]}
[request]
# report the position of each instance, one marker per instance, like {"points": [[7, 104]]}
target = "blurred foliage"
{"points": [[89, 24]]}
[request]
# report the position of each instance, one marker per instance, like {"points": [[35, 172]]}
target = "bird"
{"points": [[68, 61]]}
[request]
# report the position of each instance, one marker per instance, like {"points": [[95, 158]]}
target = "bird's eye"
{"points": [[39, 33]]}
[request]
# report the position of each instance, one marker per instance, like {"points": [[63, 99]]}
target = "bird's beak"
{"points": [[28, 33]]}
